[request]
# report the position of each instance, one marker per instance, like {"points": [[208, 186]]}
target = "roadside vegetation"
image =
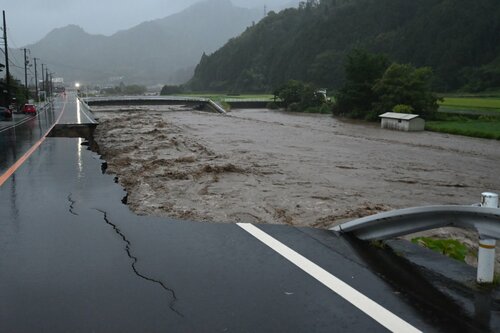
{"points": [[449, 247]]}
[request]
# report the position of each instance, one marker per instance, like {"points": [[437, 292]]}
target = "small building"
{"points": [[402, 121]]}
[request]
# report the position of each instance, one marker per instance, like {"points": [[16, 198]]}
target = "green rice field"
{"points": [[469, 116], [468, 127], [470, 105]]}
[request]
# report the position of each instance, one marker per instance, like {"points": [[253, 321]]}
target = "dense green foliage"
{"points": [[362, 71], [458, 39], [171, 90], [373, 87], [449, 247], [123, 89], [299, 96], [406, 85]]}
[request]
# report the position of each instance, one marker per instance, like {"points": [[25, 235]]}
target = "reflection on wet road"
{"points": [[16, 140]]}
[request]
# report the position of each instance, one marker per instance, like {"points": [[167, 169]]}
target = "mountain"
{"points": [[459, 39], [160, 51]]}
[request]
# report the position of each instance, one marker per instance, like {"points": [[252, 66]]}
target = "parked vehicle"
{"points": [[5, 113], [29, 109]]}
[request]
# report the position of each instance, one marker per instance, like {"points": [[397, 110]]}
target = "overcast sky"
{"points": [[30, 20]]}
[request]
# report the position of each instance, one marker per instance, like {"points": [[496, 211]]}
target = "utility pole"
{"points": [[43, 81], [7, 71], [36, 83], [47, 94], [26, 62], [50, 84]]}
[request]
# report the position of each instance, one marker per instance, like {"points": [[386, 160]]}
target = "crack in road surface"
{"points": [[72, 204], [135, 260]]}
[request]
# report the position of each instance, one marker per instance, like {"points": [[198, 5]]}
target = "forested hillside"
{"points": [[459, 39]]}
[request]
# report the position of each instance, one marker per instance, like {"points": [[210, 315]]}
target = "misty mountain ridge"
{"points": [[459, 39], [159, 51]]}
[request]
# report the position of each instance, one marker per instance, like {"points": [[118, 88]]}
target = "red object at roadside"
{"points": [[29, 109]]}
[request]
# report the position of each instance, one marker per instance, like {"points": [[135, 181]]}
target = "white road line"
{"points": [[383, 316]]}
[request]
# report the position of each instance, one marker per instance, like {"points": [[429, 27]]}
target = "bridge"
{"points": [[205, 103]]}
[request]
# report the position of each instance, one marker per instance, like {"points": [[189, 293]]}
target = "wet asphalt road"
{"points": [[16, 140], [74, 258]]}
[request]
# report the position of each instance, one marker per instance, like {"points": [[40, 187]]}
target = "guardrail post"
{"points": [[486, 253]]}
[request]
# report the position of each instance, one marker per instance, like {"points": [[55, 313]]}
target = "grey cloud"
{"points": [[94, 16]]}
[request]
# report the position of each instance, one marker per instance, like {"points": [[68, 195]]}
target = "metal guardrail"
{"points": [[484, 219], [216, 107]]}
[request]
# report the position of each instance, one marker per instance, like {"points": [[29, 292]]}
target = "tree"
{"points": [[290, 92], [310, 44], [298, 96], [171, 90], [362, 70], [326, 69], [405, 85]]}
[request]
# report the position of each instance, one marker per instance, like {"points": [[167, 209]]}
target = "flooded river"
{"points": [[265, 166]]}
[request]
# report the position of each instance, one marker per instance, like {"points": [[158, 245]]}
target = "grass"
{"points": [[449, 247], [480, 128], [470, 104], [474, 116]]}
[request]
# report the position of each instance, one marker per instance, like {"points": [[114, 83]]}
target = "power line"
{"points": [[11, 40], [12, 64]]}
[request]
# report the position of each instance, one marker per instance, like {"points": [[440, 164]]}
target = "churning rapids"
{"points": [[263, 166]]}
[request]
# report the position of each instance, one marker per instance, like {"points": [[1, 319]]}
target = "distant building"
{"points": [[402, 121], [58, 84]]}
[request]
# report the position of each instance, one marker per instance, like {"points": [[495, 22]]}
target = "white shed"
{"points": [[402, 121]]}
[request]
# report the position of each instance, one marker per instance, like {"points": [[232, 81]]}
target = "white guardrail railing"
{"points": [[484, 218]]}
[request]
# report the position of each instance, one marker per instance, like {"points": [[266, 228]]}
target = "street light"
{"points": [[77, 86]]}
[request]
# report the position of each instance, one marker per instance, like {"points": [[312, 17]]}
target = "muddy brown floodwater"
{"points": [[264, 166]]}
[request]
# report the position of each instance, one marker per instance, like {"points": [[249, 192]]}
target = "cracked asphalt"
{"points": [[74, 258]]}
